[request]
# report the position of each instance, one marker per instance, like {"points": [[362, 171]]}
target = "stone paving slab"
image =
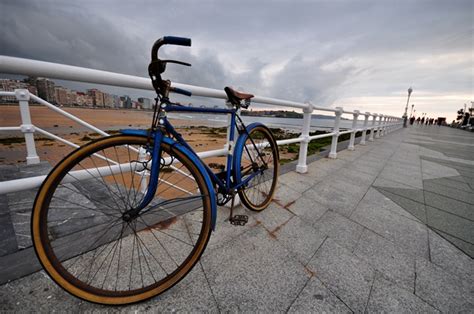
{"points": [[451, 224], [317, 298], [388, 258], [413, 208], [254, 273], [308, 209], [313, 250], [409, 233], [456, 182], [466, 247], [345, 274], [448, 257], [449, 204], [338, 194], [387, 297], [341, 230], [8, 243], [300, 238], [449, 294]]}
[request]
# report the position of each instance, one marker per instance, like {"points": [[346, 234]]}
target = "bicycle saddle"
{"points": [[236, 97]]}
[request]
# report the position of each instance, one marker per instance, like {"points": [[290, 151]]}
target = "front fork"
{"points": [[152, 185]]}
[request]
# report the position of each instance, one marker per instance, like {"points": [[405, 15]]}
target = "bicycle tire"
{"points": [[63, 252], [257, 194]]}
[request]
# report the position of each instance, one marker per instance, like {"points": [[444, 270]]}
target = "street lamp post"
{"points": [[405, 115]]}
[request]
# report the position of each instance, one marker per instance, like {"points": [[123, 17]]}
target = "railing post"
{"points": [[372, 131], [377, 135], [364, 131], [338, 113], [302, 167], [384, 126], [354, 127], [28, 129]]}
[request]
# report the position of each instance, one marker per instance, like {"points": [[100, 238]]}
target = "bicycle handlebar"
{"points": [[180, 41], [181, 91], [158, 66], [168, 40]]}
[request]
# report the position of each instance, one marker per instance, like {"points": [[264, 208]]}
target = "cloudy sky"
{"points": [[356, 54]]}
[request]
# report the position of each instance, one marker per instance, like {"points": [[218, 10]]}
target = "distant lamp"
{"points": [[405, 115]]}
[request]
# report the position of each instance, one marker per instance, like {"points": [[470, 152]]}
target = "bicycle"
{"points": [[126, 217]]}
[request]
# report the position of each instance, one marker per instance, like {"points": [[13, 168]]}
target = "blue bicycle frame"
{"points": [[225, 186]]}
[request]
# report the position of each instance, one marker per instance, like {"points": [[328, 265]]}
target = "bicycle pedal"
{"points": [[239, 220]]}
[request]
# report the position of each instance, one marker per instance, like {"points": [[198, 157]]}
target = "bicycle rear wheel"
{"points": [[87, 245], [260, 159]]}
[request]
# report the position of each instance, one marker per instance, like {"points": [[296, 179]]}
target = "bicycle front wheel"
{"points": [[259, 165], [92, 250]]}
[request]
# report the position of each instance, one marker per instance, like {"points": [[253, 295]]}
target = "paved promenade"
{"points": [[388, 227]]}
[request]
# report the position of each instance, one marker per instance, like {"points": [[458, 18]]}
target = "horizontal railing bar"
{"points": [[60, 71], [37, 68], [345, 132], [290, 141], [212, 153], [73, 73], [34, 182], [24, 184], [2, 93], [315, 137], [10, 128]]}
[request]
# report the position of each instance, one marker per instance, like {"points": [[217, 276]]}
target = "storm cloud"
{"points": [[356, 54]]}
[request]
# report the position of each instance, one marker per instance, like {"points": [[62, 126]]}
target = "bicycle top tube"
{"points": [[172, 107]]}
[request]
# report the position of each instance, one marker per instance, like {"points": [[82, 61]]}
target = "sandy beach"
{"points": [[199, 133], [104, 119]]}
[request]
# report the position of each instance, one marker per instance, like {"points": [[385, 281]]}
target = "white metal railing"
{"points": [[378, 127]]}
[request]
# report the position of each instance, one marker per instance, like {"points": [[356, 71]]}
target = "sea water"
{"points": [[290, 124]]}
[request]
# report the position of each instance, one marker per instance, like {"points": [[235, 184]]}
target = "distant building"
{"points": [[126, 102], [72, 97], [97, 97], [32, 89], [32, 82], [61, 95], [46, 89], [117, 101], [108, 100], [145, 102], [83, 99]]}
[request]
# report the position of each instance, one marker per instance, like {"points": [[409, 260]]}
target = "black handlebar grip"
{"points": [[180, 41]]}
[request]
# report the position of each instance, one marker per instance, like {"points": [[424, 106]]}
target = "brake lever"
{"points": [[177, 62]]}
